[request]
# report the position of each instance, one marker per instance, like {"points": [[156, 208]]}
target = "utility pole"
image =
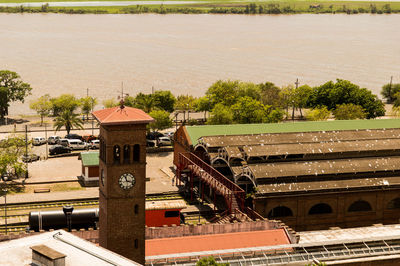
{"points": [[297, 85], [26, 151], [390, 88]]}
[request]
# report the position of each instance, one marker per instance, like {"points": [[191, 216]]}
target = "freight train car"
{"points": [[158, 213]]}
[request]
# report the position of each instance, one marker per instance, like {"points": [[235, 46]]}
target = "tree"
{"points": [[11, 150], [162, 120], [69, 120], [164, 100], [42, 106], [389, 90], [248, 110], [220, 115], [210, 261], [203, 104], [185, 102], [63, 103], [87, 104], [318, 114], [332, 94], [349, 112], [270, 94], [287, 96], [110, 103], [301, 96], [12, 89], [145, 102]]}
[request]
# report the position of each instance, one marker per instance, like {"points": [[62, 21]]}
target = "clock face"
{"points": [[126, 181]]}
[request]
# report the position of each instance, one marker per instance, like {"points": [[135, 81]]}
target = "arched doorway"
{"points": [[360, 206], [320, 208], [280, 211]]}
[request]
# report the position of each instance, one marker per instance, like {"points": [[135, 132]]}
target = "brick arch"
{"points": [[320, 208], [393, 204], [360, 206], [280, 211]]}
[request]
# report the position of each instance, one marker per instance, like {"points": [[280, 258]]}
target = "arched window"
{"points": [[394, 204], [320, 208], [136, 153], [360, 206], [136, 209], [280, 211], [127, 153], [117, 154]]}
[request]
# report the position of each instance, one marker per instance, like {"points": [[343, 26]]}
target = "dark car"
{"points": [[73, 136], [88, 138], [59, 149], [30, 158]]}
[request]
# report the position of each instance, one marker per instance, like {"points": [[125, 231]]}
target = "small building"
{"points": [[90, 167], [166, 212]]}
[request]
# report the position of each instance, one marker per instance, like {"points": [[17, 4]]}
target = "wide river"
{"points": [[186, 53]]}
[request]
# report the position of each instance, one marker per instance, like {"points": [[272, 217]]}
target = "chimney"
{"points": [[44, 256]]}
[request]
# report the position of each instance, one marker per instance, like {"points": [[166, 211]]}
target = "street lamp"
{"points": [[68, 212], [5, 208]]}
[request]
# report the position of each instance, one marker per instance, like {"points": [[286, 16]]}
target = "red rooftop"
{"points": [[122, 115]]}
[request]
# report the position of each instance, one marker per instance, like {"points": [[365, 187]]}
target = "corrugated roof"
{"points": [[125, 115], [324, 167], [327, 185], [198, 243], [322, 148], [90, 158], [303, 137], [165, 204], [195, 132]]}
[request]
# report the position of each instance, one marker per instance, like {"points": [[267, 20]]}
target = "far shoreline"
{"points": [[208, 7]]}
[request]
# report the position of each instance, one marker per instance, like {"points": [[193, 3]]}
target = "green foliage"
{"points": [[87, 104], [349, 112], [228, 92], [69, 120], [331, 94], [110, 103], [270, 94], [301, 96], [12, 89], [42, 106], [389, 90], [318, 114], [210, 261], [11, 150], [145, 102], [64, 102], [185, 102], [396, 111], [164, 100], [220, 115], [162, 120]]}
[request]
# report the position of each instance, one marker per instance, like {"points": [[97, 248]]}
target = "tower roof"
{"points": [[121, 116]]}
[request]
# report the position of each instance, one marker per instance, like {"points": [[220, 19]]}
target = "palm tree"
{"points": [[69, 120]]}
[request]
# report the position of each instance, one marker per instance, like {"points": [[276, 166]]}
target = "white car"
{"points": [[53, 139], [94, 144], [164, 141], [77, 144], [38, 141]]}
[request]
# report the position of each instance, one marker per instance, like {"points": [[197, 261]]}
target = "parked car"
{"points": [[30, 158], [76, 144], [88, 138], [36, 141], [73, 136], [151, 142], [152, 138], [169, 135], [59, 149], [164, 141], [53, 140], [63, 142], [94, 144]]}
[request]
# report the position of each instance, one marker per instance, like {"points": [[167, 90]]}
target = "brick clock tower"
{"points": [[122, 181]]}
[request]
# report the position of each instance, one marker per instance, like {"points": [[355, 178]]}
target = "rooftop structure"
{"points": [[122, 115]]}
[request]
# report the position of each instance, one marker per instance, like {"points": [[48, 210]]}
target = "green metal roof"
{"points": [[196, 132], [90, 158]]}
